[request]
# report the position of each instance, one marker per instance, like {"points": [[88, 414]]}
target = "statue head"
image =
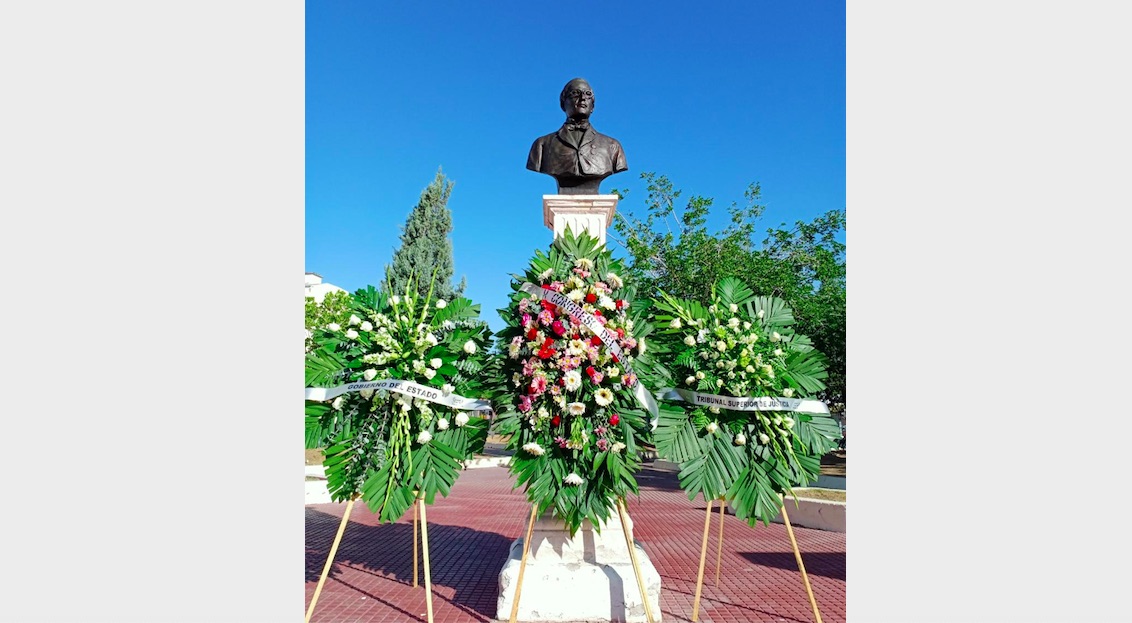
{"points": [[577, 99]]}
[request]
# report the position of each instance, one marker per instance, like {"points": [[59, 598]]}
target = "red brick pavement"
{"points": [[471, 530]]}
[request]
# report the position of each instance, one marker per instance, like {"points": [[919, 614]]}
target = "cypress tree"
{"points": [[425, 245]]}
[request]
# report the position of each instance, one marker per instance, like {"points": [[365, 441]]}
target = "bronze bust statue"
{"points": [[577, 156]]}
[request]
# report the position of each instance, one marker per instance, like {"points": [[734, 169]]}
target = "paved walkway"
{"points": [[471, 530]]}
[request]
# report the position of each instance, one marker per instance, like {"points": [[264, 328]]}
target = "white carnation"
{"points": [[691, 380], [435, 362], [689, 340], [775, 337], [447, 389], [788, 392], [424, 437], [367, 326], [573, 479], [712, 427], [366, 393], [675, 324], [369, 374], [334, 326], [351, 334], [442, 424], [429, 373], [461, 419], [337, 404], [534, 449], [431, 339], [617, 447], [764, 439], [469, 347], [441, 303], [740, 439], [733, 307], [700, 376], [354, 319]]}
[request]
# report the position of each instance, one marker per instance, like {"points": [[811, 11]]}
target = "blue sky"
{"points": [[714, 96]]}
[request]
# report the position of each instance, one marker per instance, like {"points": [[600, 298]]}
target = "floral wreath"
{"points": [[739, 351], [398, 426], [573, 357]]}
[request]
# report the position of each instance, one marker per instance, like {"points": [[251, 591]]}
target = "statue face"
{"points": [[579, 100]]}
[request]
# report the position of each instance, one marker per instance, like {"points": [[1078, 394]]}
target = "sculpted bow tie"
{"points": [[581, 127]]}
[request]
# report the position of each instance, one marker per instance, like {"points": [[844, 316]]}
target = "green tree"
{"points": [[425, 246], [671, 249], [335, 307]]}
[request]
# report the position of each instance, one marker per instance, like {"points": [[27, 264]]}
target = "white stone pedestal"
{"points": [[591, 213], [585, 578]]}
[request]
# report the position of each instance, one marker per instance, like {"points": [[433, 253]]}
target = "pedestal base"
{"points": [[590, 213], [585, 578]]}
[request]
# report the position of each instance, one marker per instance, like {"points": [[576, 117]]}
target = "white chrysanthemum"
{"points": [[441, 303], [720, 345], [337, 404], [366, 326], [617, 447], [788, 392], [740, 439], [469, 347], [614, 281], [354, 319], [534, 449], [689, 340], [334, 326], [712, 427], [576, 295], [606, 302], [461, 419], [435, 362], [544, 275], [573, 380], [603, 397], [369, 374], [442, 424], [699, 376], [733, 307], [447, 389], [424, 437], [431, 339], [576, 408], [675, 324], [584, 263], [573, 479], [691, 380], [733, 323]]}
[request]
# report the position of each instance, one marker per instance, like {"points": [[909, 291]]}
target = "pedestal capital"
{"points": [[592, 213]]}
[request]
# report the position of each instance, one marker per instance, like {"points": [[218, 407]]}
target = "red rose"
{"points": [[555, 421], [532, 333], [597, 312], [614, 419], [595, 340], [620, 333], [590, 371], [591, 297], [550, 307], [620, 303]]}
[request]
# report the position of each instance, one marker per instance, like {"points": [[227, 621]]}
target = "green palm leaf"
{"points": [[775, 311], [732, 291]]}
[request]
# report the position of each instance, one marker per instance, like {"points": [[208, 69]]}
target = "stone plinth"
{"points": [[591, 213], [585, 578]]}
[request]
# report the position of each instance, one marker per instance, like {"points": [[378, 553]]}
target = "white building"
{"points": [[317, 289]]}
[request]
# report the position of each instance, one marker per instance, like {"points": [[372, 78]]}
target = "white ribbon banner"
{"points": [[607, 337], [759, 403], [408, 388]]}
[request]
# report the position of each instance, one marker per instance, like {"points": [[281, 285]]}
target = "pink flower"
{"points": [[603, 444], [525, 321], [597, 378], [545, 317], [538, 385], [629, 380], [523, 304], [524, 404], [557, 286], [557, 327], [561, 441], [600, 431]]}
